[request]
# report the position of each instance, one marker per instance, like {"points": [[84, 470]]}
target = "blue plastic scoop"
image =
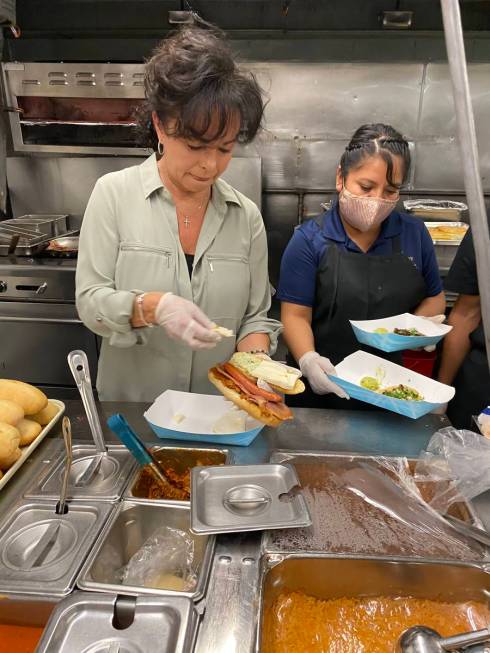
{"points": [[118, 425]]}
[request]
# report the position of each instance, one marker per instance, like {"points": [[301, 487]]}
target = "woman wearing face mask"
{"points": [[360, 260]]}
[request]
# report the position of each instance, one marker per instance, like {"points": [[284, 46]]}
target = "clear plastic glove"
{"points": [[436, 319], [183, 320], [316, 368]]}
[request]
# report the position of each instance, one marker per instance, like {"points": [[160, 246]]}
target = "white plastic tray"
{"points": [[26, 451]]}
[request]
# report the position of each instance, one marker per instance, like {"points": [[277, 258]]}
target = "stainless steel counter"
{"points": [[231, 603]]}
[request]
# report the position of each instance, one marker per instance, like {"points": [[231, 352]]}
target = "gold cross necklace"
{"points": [[187, 218]]}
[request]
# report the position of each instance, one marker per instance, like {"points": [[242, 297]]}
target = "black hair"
{"points": [[193, 79], [376, 139]]}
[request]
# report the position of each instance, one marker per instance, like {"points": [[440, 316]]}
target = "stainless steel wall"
{"points": [[313, 110]]}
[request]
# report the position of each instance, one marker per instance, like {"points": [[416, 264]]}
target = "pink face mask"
{"points": [[364, 213]]}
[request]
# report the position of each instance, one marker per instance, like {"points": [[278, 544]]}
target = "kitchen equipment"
{"points": [[246, 498], [373, 510], [26, 451], [66, 426], [143, 456], [445, 249], [33, 237], [41, 552], [179, 459], [78, 363], [473, 532], [421, 639], [128, 529], [49, 225], [332, 577], [89, 622], [37, 304], [436, 209], [66, 246], [106, 485], [98, 472]]}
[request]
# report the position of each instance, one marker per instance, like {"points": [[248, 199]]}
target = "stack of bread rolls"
{"points": [[24, 410]]}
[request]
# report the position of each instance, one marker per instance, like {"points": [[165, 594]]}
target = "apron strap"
{"points": [[396, 245]]}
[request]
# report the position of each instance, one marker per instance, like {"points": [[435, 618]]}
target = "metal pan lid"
{"points": [[106, 623], [230, 499]]}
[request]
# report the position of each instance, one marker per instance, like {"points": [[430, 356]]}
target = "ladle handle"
{"points": [[78, 362], [467, 639], [66, 428]]}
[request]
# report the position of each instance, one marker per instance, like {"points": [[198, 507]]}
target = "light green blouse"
{"points": [[129, 244]]}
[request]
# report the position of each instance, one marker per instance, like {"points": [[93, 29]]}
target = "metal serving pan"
{"points": [[88, 622], [452, 243], [41, 552], [28, 245], [342, 525], [107, 485], [179, 459], [331, 577], [48, 224], [128, 529]]}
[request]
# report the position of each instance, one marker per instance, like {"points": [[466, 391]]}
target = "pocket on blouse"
{"points": [[227, 285], [145, 267]]}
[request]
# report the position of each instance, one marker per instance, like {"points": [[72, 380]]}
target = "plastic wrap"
{"points": [[370, 506], [455, 464], [296, 622], [163, 562]]}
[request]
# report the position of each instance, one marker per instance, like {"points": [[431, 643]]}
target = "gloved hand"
{"points": [[436, 319], [316, 368], [183, 320], [440, 410]]}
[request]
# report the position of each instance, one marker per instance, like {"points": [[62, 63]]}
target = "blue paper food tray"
{"points": [[390, 342], [232, 439], [413, 409]]}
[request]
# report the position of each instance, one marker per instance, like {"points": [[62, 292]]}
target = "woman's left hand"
{"points": [[436, 319]]}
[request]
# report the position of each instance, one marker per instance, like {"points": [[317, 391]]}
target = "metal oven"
{"points": [[39, 323]]}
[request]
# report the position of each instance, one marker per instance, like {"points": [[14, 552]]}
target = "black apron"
{"points": [[352, 286], [472, 384]]}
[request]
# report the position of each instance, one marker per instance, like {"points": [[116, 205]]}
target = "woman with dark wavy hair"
{"points": [[362, 260], [168, 243]]}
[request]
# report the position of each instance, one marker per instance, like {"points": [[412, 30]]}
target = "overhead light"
{"points": [[397, 19]]}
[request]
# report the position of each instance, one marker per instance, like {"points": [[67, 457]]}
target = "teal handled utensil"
{"points": [[118, 425]]}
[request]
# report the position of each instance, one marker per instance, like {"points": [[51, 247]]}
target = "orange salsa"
{"points": [[19, 639], [298, 623]]}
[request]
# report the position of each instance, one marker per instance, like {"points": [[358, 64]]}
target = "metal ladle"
{"points": [[78, 363], [40, 552], [421, 639]]}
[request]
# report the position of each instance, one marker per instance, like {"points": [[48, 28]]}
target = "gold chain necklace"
{"points": [[188, 218]]}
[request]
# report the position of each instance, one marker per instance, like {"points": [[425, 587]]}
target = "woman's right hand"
{"points": [[316, 368], [183, 320]]}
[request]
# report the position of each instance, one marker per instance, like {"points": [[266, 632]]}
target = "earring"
{"points": [[160, 148]]}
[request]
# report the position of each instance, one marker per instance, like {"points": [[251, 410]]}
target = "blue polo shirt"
{"points": [[306, 248]]}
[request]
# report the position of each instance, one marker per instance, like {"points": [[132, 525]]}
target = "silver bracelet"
{"points": [[258, 351], [141, 313]]}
